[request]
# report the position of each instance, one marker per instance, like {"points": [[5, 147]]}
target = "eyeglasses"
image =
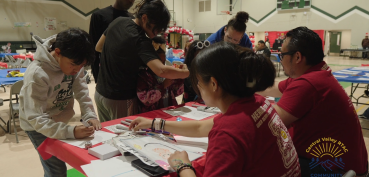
{"points": [[286, 53], [201, 44]]}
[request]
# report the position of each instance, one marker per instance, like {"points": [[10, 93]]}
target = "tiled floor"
{"points": [[21, 159]]}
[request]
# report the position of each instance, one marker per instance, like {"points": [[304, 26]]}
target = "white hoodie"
{"points": [[46, 98]]}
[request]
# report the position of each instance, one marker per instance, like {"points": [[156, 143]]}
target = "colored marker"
{"points": [[85, 123], [129, 120], [122, 127], [125, 123]]}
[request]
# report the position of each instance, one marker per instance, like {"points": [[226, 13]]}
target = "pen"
{"points": [[125, 123], [85, 123]]}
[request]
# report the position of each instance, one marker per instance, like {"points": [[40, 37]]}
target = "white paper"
{"points": [[157, 150], [189, 112], [98, 137], [113, 128], [363, 79], [114, 167]]}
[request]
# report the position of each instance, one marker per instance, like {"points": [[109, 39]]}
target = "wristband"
{"points": [[152, 126], [185, 166]]}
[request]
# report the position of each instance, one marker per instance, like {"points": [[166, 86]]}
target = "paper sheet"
{"points": [[157, 150], [115, 130], [114, 167], [189, 112], [98, 137]]}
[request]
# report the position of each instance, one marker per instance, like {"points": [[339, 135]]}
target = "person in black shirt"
{"points": [[100, 21], [125, 46], [263, 50]]}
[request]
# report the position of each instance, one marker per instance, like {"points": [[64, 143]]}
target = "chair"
{"points": [[14, 63], [168, 63], [2, 103], [26, 63], [275, 60], [14, 107], [350, 173]]}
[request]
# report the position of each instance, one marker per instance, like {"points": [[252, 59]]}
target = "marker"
{"points": [[121, 127], [85, 123], [129, 120], [140, 132], [125, 123]]}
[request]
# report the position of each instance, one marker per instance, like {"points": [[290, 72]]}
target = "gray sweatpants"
{"points": [[109, 109]]}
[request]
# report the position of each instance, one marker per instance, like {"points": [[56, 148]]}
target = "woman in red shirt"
{"points": [[248, 138]]}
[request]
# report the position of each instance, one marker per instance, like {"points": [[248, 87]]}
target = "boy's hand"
{"points": [[95, 123], [140, 123], [80, 131]]}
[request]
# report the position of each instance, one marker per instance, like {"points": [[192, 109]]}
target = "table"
{"points": [[24, 57], [2, 55], [355, 75], [9, 80], [76, 157], [354, 51]]}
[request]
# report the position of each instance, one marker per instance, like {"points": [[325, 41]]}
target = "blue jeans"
{"points": [[53, 167]]}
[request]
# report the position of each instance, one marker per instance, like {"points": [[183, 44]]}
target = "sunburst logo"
{"points": [[328, 149]]}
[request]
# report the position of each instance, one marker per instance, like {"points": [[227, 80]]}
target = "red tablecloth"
{"points": [[23, 57], [76, 157]]}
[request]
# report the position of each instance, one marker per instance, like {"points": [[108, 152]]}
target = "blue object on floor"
{"points": [[179, 119]]}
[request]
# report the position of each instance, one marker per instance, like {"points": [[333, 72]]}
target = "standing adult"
{"points": [[322, 121], [263, 50], [234, 31], [365, 45], [267, 43], [125, 46], [100, 21]]}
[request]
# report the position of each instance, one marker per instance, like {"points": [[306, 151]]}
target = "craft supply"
{"points": [[179, 119], [114, 129], [98, 137], [88, 145], [189, 112], [104, 151], [86, 124], [121, 127], [129, 120], [140, 132], [125, 123]]}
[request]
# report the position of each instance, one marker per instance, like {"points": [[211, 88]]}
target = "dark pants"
{"points": [[95, 67], [53, 167], [365, 54]]}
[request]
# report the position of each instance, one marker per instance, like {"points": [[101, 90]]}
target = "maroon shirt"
{"points": [[250, 140], [328, 127]]}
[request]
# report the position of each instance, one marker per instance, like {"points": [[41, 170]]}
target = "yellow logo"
{"points": [[327, 147], [137, 147], [283, 134]]}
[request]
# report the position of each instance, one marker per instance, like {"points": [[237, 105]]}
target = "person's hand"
{"points": [[177, 159], [95, 123], [183, 66], [167, 83], [140, 123], [80, 131]]}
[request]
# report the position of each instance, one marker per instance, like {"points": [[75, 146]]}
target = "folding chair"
{"points": [[26, 63], [1, 104], [14, 107], [350, 173]]}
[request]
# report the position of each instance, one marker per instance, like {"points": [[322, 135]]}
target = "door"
{"points": [[335, 42]]}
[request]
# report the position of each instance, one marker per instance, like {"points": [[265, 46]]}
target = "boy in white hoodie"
{"points": [[51, 83]]}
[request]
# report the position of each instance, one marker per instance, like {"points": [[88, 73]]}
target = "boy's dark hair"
{"points": [[159, 40], [75, 44], [239, 21], [238, 71], [157, 14], [261, 41], [308, 43]]}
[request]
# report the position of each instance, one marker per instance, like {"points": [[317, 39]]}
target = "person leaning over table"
{"points": [[248, 138], [125, 46], [314, 107], [51, 83], [234, 31]]}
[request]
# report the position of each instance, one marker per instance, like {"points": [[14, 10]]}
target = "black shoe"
{"points": [[362, 116]]}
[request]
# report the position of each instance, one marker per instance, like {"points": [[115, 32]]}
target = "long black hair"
{"points": [[157, 14], [238, 71], [75, 44]]}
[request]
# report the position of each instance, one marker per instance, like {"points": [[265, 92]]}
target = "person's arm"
{"points": [[100, 44], [33, 105], [362, 43], [271, 91], [81, 94], [168, 72], [184, 128], [285, 116]]}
